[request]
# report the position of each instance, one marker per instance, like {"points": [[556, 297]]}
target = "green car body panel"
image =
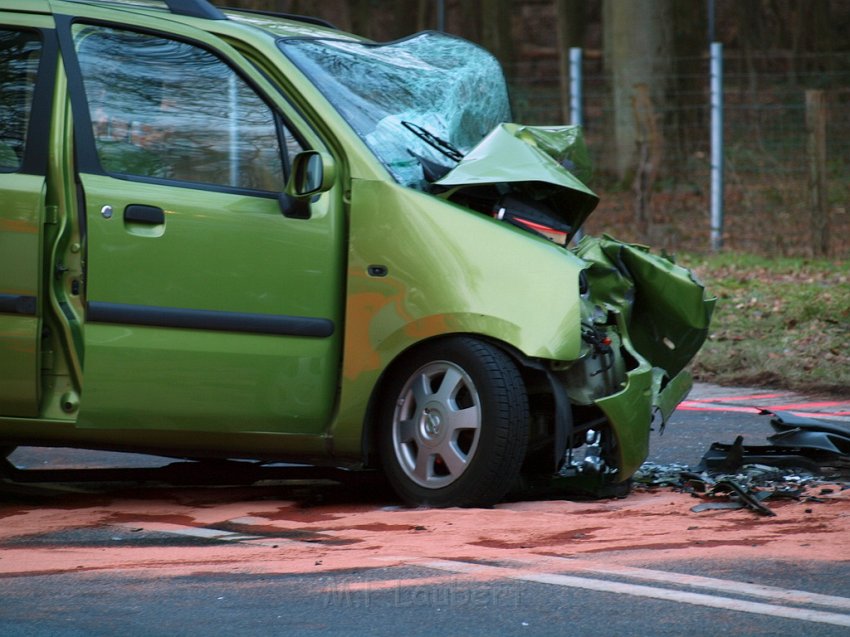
{"points": [[143, 311]]}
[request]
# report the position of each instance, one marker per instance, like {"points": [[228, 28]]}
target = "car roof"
{"points": [[276, 24]]}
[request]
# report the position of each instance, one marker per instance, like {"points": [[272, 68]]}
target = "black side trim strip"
{"points": [[38, 132], [209, 320], [18, 304], [84, 148]]}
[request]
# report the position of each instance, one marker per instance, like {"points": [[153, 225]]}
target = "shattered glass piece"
{"points": [[653, 474], [788, 492]]}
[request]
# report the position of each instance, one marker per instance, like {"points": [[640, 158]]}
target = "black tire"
{"points": [[454, 424]]}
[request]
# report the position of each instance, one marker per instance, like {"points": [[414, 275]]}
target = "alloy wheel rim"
{"points": [[437, 425]]}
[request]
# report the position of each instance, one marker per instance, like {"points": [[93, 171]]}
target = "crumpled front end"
{"points": [[643, 317], [643, 320]]}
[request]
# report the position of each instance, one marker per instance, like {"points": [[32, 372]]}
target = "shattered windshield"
{"points": [[426, 100]]}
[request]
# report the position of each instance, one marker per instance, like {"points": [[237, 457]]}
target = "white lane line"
{"points": [[213, 534], [209, 534], [774, 593], [640, 590], [189, 531], [753, 590]]}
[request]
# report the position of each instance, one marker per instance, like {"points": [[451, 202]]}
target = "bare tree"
{"points": [[638, 49]]}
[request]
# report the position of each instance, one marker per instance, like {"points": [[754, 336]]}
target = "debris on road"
{"points": [[798, 442], [805, 454], [748, 488]]}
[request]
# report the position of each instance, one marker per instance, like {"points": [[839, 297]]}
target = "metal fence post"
{"points": [[716, 146], [576, 115], [575, 87]]}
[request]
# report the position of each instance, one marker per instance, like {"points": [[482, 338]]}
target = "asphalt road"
{"points": [[118, 558]]}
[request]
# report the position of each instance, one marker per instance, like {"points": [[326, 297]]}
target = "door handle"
{"points": [[150, 215]]}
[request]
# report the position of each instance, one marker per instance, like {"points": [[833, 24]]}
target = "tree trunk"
{"points": [[638, 49], [650, 148]]}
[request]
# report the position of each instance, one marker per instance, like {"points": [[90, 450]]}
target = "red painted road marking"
{"points": [[809, 405], [811, 409], [729, 399], [695, 405]]}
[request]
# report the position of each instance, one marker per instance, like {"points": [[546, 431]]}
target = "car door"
{"points": [[26, 54], [209, 308]]}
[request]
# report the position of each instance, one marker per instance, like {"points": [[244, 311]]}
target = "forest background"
{"points": [[782, 276]]}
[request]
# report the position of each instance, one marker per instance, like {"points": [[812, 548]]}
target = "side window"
{"points": [[19, 56], [167, 109]]}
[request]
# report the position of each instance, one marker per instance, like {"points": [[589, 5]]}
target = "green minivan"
{"points": [[243, 235]]}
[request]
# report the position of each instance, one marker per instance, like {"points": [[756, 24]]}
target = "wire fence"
{"points": [[767, 150]]}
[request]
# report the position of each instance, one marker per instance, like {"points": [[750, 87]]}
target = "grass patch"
{"points": [[782, 323]]}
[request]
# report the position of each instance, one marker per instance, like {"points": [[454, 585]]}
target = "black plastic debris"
{"points": [[810, 435], [799, 442], [748, 488], [803, 453], [744, 495], [726, 457]]}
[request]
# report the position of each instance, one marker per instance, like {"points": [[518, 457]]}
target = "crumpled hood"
{"points": [[544, 162]]}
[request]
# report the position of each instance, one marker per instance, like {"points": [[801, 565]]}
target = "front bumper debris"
{"points": [[652, 317]]}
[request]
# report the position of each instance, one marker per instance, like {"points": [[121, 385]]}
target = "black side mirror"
{"points": [[312, 174]]}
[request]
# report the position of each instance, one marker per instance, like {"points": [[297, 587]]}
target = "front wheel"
{"points": [[454, 426]]}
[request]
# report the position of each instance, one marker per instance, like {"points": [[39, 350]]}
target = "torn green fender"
{"points": [[630, 413], [666, 311], [663, 314], [545, 163]]}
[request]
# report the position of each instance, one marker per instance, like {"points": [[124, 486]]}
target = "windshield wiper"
{"points": [[446, 148]]}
